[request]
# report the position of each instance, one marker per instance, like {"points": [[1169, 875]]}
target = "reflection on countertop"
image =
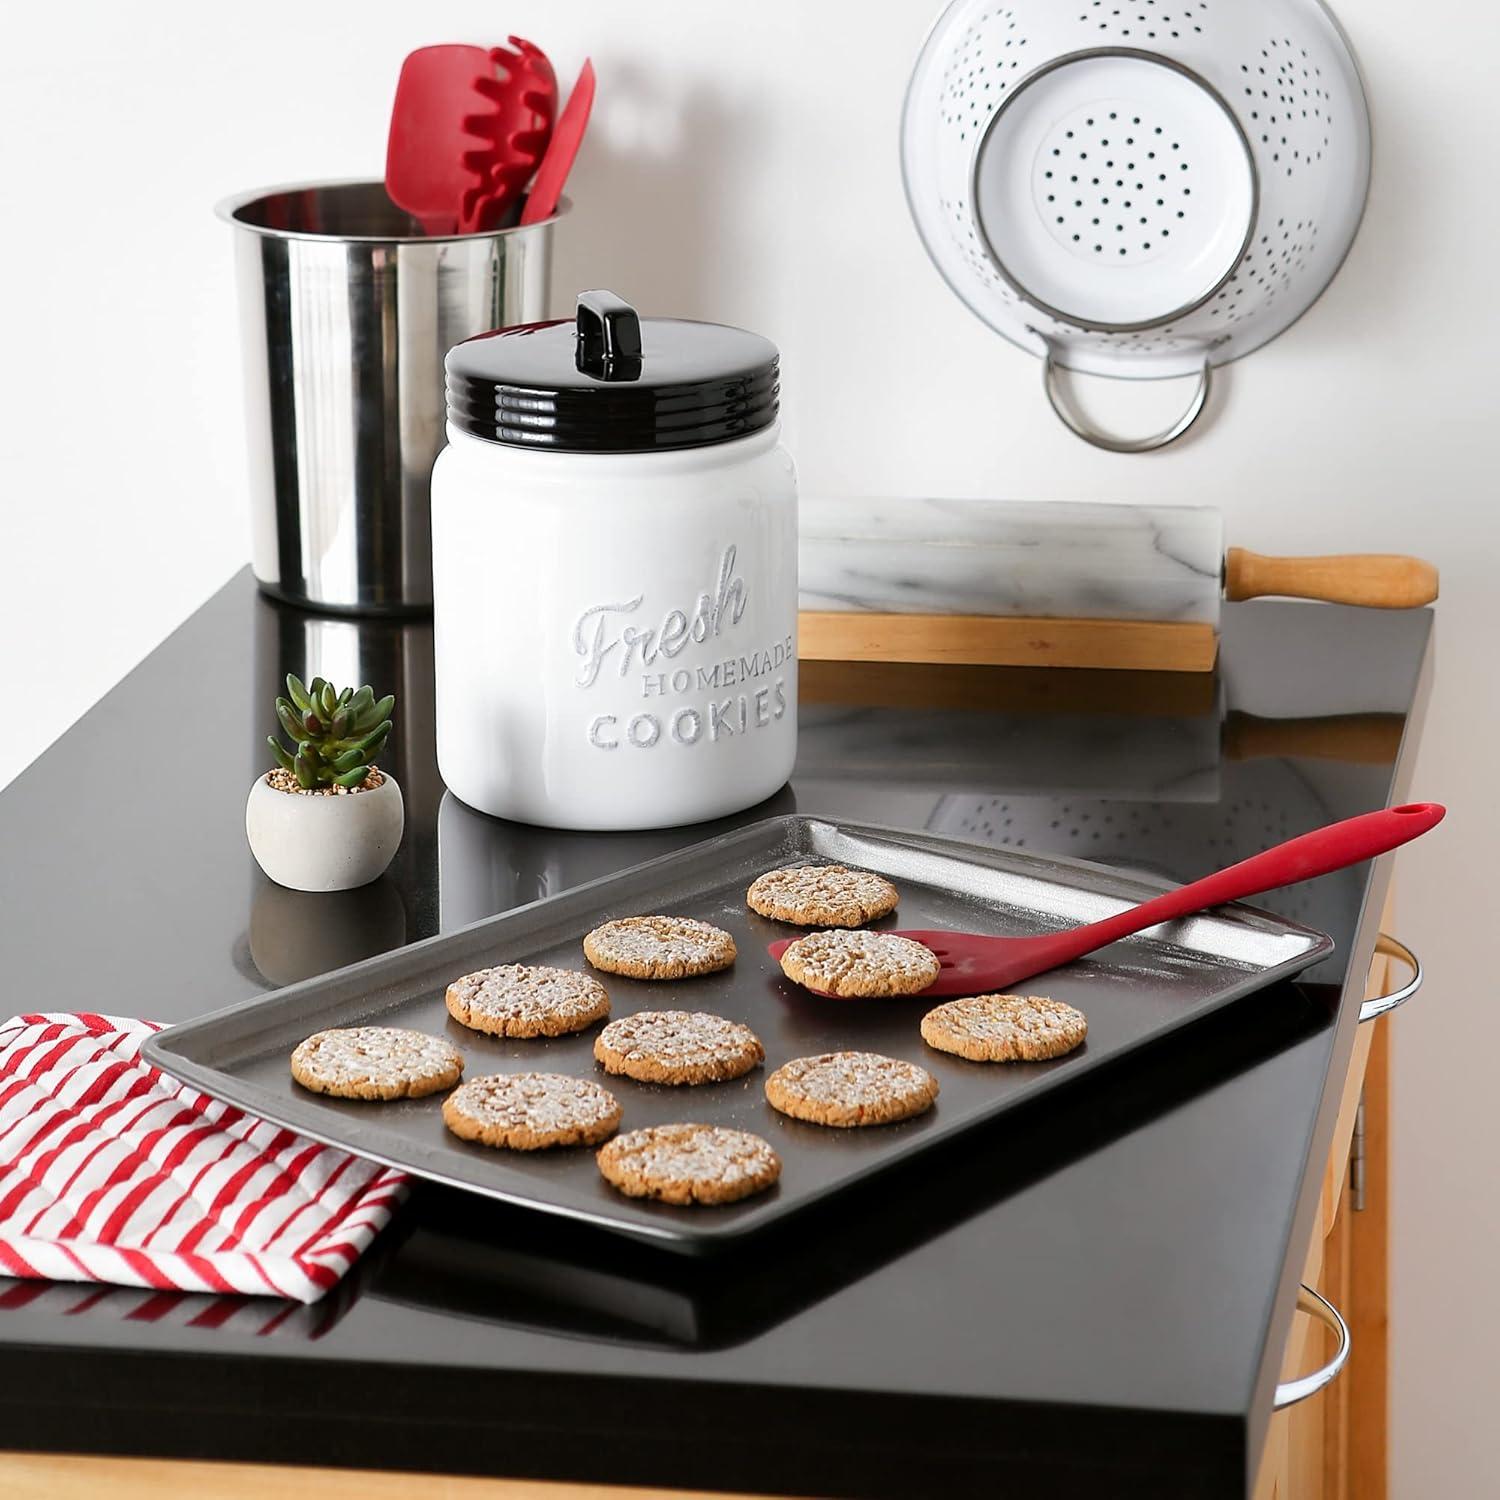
{"points": [[1158, 772]]}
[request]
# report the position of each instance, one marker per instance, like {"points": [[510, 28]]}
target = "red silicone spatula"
{"points": [[429, 164], [974, 964], [567, 137]]}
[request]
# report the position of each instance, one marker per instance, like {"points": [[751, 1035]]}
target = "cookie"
{"points": [[822, 896], [376, 1062], [522, 1000], [1005, 1028], [689, 1164], [860, 963], [678, 1046], [851, 1088], [659, 947], [531, 1111]]}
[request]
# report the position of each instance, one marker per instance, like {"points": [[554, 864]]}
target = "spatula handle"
{"points": [[1377, 580], [1312, 854]]}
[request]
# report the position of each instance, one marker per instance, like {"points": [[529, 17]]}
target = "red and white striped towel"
{"points": [[111, 1171]]}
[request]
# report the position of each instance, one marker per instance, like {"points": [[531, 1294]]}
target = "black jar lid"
{"points": [[613, 382]]}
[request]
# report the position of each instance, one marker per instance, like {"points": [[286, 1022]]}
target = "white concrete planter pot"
{"points": [[311, 842]]}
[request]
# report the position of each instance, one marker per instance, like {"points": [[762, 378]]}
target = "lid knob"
{"points": [[609, 337]]}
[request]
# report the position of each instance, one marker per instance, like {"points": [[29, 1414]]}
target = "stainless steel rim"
{"points": [[1071, 319], [1075, 423], [1290, 1392], [228, 210], [1388, 945]]}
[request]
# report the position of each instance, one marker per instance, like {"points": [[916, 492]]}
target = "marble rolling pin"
{"points": [[1052, 583]]}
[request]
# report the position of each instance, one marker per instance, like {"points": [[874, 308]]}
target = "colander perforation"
{"points": [[975, 257], [1145, 20], [1269, 267], [1289, 116], [978, 74], [1112, 183]]}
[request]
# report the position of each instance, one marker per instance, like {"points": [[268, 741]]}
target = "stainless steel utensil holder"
{"points": [[346, 311]]}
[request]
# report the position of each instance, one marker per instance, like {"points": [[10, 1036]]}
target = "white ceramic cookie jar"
{"points": [[614, 530]]}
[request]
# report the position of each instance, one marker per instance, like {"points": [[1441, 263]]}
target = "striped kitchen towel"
{"points": [[111, 1171]]}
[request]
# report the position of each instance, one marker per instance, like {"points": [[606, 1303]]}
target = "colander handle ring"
{"points": [[1075, 423]]}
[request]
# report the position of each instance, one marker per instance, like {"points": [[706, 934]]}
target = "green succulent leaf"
{"points": [[328, 701], [382, 710], [297, 693], [346, 695], [305, 769], [282, 754], [360, 701], [352, 778], [290, 721], [374, 740], [349, 759]]}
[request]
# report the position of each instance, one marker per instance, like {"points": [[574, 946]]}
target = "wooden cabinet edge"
{"points": [[47, 1476], [1334, 1445]]}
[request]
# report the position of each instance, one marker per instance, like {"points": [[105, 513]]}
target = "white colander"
{"points": [[1136, 188]]}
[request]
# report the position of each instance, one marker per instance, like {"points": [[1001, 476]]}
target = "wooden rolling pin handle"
{"points": [[1377, 580], [1372, 739]]}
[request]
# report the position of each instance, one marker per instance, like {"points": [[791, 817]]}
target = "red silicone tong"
{"points": [[973, 964], [516, 132]]}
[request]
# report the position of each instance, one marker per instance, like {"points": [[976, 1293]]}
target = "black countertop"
{"points": [[1091, 1298]]}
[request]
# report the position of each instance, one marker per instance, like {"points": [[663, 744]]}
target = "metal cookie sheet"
{"points": [[1133, 993]]}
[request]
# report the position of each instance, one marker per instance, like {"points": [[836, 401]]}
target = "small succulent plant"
{"points": [[336, 735]]}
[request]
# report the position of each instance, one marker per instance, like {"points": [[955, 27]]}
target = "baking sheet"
{"points": [[1133, 992]]}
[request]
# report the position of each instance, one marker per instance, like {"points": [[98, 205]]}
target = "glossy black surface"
{"points": [[613, 382], [1088, 1301], [608, 337]]}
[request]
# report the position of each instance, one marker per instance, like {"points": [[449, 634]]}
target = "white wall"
{"points": [[743, 167]]}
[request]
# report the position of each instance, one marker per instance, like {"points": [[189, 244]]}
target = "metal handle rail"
{"points": [[1381, 1004], [1290, 1392]]}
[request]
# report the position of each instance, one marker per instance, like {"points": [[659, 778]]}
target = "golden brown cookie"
{"points": [[523, 1000], [851, 1088], [822, 896], [689, 1164], [860, 963], [531, 1111], [1005, 1028], [678, 1046], [376, 1062], [659, 947]]}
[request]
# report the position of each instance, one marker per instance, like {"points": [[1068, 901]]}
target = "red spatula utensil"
{"points": [[974, 964], [429, 165], [567, 137]]}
